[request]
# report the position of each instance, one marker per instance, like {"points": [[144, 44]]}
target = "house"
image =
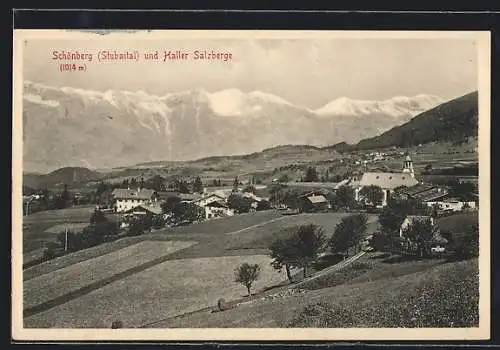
{"points": [[435, 245], [388, 182], [126, 199], [215, 206], [313, 201], [141, 210], [411, 219], [422, 192], [452, 204], [189, 197]]}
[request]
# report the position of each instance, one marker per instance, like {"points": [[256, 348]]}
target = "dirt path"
{"points": [[256, 225]]}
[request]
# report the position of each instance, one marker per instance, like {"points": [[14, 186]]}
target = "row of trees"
{"points": [[301, 246], [159, 184]]}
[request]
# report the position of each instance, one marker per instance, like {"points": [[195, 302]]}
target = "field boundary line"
{"points": [[49, 304], [256, 225], [330, 269]]}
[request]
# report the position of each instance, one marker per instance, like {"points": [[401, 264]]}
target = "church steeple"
{"points": [[408, 166]]}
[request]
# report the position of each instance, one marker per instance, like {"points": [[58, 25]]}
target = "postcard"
{"points": [[251, 185]]}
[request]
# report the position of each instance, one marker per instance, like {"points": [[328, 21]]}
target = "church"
{"points": [[387, 181]]}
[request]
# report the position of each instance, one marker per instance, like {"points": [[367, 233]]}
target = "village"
{"points": [[138, 206]]}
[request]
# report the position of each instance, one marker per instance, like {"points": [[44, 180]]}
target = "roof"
{"points": [[152, 209], [413, 218], [124, 193], [327, 185], [387, 180], [431, 195], [411, 191], [217, 204], [317, 199], [189, 196], [168, 194]]}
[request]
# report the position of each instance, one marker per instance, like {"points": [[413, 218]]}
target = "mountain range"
{"points": [[66, 126]]}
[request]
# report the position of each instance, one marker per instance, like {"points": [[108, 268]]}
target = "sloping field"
{"points": [[171, 288], [263, 236], [55, 284], [227, 224], [442, 296]]}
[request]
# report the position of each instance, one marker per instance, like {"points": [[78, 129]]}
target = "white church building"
{"points": [[387, 181]]}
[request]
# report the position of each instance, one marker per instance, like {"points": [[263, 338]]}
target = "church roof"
{"points": [[387, 180]]}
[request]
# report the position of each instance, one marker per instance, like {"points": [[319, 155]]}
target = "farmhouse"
{"points": [[411, 219], [215, 206], [422, 192], [126, 199], [388, 182], [313, 201], [436, 244]]}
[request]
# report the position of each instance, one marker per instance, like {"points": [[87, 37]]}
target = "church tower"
{"points": [[408, 166]]}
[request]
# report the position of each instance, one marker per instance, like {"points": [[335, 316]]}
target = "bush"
{"points": [[264, 205]]}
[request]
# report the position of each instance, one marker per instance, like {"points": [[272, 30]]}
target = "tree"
{"points": [[133, 182], [284, 254], [65, 196], [156, 183], [372, 194], [276, 193], [418, 234], [198, 185], [332, 199], [311, 175], [284, 178], [464, 191], [291, 199], [348, 233], [345, 196], [236, 184], [168, 206], [247, 274], [309, 242], [189, 212], [182, 186], [125, 183], [239, 203], [380, 241], [263, 205]]}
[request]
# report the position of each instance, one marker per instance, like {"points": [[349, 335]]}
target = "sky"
{"points": [[305, 72]]}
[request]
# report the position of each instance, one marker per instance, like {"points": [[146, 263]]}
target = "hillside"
{"points": [[68, 176], [413, 295], [452, 121], [98, 129]]}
